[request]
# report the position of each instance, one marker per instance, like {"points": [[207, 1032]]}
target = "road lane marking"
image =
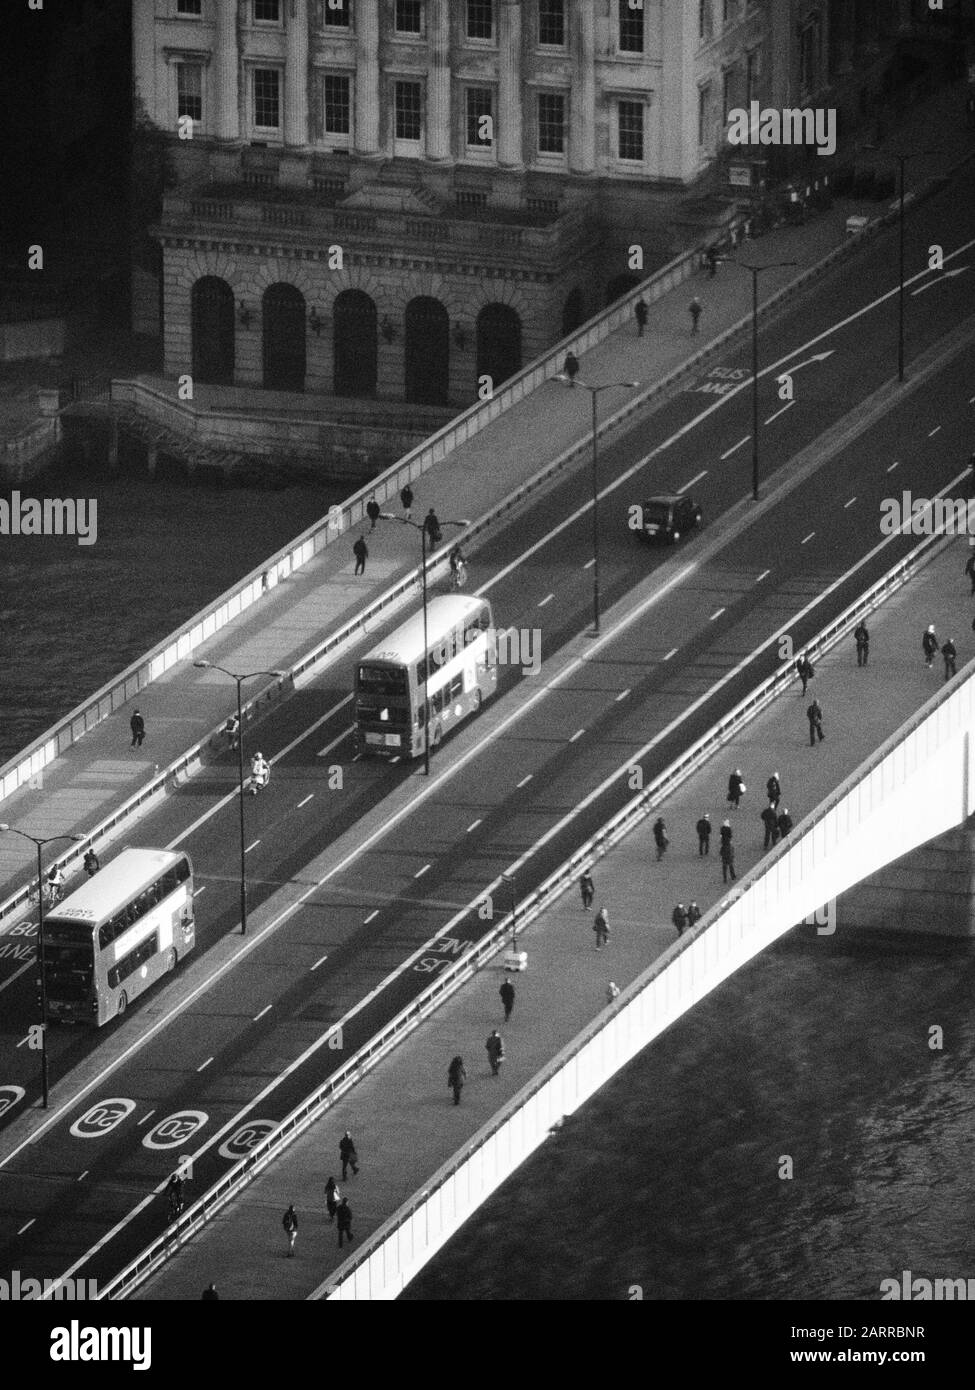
{"points": [[673, 652], [578, 734], [547, 599], [893, 466], [622, 695], [734, 448], [145, 1118], [589, 564], [473, 826], [204, 1065], [266, 1010], [320, 961], [420, 872], [82, 1176], [524, 782], [28, 1226], [374, 913], [252, 846], [807, 538], [198, 891], [932, 433], [335, 742], [717, 614], [764, 575], [309, 797], [788, 406], [849, 504], [703, 474]]}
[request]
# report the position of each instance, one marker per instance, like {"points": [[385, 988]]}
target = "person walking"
{"points": [[679, 918], [703, 828], [344, 1215], [815, 716], [693, 914], [736, 788], [804, 670], [507, 992], [694, 309], [601, 927], [862, 638], [727, 861], [588, 891], [726, 833], [660, 837], [361, 552], [209, 1294], [495, 1051], [570, 367], [771, 822], [785, 822], [612, 991], [406, 499], [138, 726], [773, 788], [91, 863], [456, 1076], [372, 511], [950, 653], [970, 565], [929, 645], [331, 1198], [640, 312], [431, 524], [290, 1223], [348, 1155]]}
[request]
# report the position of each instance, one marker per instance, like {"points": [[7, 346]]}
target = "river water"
{"points": [[669, 1179]]}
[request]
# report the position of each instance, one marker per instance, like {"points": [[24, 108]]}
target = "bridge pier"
{"points": [[930, 891]]}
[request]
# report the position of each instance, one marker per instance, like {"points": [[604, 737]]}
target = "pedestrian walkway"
{"points": [[402, 1115], [100, 771]]}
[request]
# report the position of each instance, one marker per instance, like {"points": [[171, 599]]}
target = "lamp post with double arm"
{"points": [[39, 844], [755, 271]]}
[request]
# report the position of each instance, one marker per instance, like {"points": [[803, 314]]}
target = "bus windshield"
{"points": [[382, 680]]}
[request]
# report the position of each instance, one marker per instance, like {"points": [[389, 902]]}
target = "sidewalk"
{"points": [[101, 770], [401, 1115]]}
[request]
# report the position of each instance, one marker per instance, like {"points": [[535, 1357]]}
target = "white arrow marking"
{"points": [[819, 357], [940, 281]]}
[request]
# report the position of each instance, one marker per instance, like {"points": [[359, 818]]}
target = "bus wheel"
{"points": [[173, 958], [123, 1003], [436, 736]]}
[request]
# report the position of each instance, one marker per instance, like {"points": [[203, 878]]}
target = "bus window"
{"points": [[457, 686]]}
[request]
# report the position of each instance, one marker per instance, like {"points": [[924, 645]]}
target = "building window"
{"points": [[727, 81], [631, 130], [189, 7], [189, 90], [409, 111], [751, 74], [728, 8], [267, 98], [267, 11], [409, 16], [480, 131], [551, 123], [480, 19], [337, 13], [551, 23], [336, 104], [704, 19], [703, 112], [631, 29]]}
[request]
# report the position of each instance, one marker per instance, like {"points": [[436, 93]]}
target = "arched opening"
{"points": [[212, 331], [498, 343], [283, 325], [354, 344], [427, 352], [573, 313], [619, 286]]}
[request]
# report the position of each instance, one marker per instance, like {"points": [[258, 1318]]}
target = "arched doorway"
{"points": [[212, 331], [283, 315], [498, 343], [354, 345], [427, 351], [573, 313], [619, 286]]}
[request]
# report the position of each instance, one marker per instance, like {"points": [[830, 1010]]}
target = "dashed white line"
{"points": [[320, 961], [764, 575], [717, 614], [309, 797], [473, 826], [420, 872], [265, 1010], [81, 1176], [788, 406], [198, 891], [373, 913], [146, 1117], [252, 846], [547, 599], [893, 466], [728, 452], [622, 695], [696, 479], [578, 734], [807, 538], [335, 741], [673, 652], [849, 504], [28, 1226], [934, 431], [589, 564], [205, 1065], [524, 781]]}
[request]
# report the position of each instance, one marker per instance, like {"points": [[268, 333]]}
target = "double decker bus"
{"points": [[113, 938], [398, 685]]}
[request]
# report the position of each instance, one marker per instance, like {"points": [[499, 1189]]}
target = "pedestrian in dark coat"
{"points": [[815, 716], [456, 1076], [929, 645], [694, 309], [495, 1051], [736, 788], [210, 1295], [640, 310], [785, 822], [862, 638], [679, 917], [570, 367], [601, 927], [361, 552], [344, 1214], [726, 833], [950, 653], [693, 914], [804, 670], [970, 566], [507, 992], [703, 828], [138, 726], [91, 863], [431, 524], [587, 889], [773, 788], [331, 1198], [727, 861], [406, 498], [348, 1155], [290, 1223], [372, 511], [771, 822], [660, 837]]}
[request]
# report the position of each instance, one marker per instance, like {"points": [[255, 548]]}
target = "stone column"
{"points": [[226, 72], [367, 77], [438, 81], [296, 74], [509, 88], [144, 59], [582, 134]]}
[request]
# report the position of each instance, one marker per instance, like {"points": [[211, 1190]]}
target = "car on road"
{"points": [[667, 517]]}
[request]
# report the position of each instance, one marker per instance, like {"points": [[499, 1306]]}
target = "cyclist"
{"points": [[174, 1194], [55, 884], [458, 568], [260, 773]]}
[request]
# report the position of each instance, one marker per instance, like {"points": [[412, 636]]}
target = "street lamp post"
{"points": [[249, 675], [755, 272], [900, 160], [422, 528], [594, 394], [39, 846], [509, 879]]}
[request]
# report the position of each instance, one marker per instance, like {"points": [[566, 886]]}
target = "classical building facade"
{"points": [[412, 198]]}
